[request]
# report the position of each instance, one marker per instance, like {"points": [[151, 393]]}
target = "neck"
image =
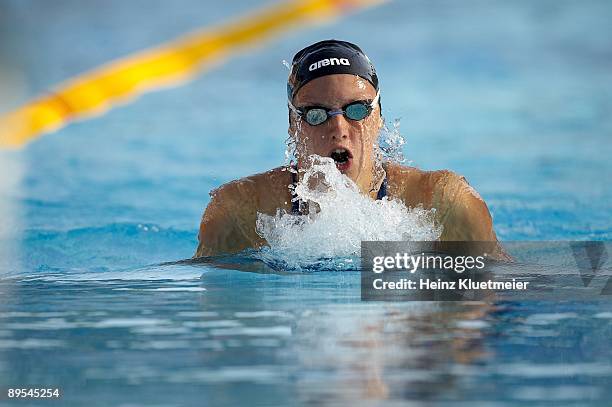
{"points": [[369, 183]]}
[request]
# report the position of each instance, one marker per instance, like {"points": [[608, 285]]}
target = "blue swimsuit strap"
{"points": [[382, 192], [295, 205]]}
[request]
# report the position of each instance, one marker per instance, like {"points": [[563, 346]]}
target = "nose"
{"points": [[338, 126]]}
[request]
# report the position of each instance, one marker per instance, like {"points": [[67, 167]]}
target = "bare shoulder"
{"points": [[418, 187], [414, 174], [459, 208], [228, 223], [428, 185], [245, 189]]}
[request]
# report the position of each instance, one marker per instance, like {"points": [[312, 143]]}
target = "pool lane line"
{"points": [[169, 64]]}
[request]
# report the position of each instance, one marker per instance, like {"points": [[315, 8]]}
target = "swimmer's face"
{"points": [[351, 143]]}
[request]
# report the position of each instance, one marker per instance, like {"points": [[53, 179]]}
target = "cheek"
{"points": [[367, 133], [310, 141], [314, 136]]}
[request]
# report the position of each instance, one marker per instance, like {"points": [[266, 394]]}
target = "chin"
{"points": [[352, 174]]}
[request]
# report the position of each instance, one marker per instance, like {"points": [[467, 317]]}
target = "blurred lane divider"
{"points": [[122, 80]]}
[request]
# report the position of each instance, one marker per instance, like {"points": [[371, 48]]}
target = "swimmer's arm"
{"points": [[219, 229], [468, 217]]}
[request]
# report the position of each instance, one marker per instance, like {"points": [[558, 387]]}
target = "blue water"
{"points": [[515, 96]]}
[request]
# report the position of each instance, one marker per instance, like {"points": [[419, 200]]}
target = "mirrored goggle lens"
{"points": [[357, 111], [316, 116]]}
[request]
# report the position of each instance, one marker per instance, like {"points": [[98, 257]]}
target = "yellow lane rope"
{"points": [[169, 64]]}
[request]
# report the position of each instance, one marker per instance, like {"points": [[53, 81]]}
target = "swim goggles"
{"points": [[315, 115]]}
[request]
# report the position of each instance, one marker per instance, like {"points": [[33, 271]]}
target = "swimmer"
{"points": [[335, 111]]}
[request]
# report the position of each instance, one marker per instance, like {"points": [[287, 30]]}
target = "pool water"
{"points": [[515, 96]]}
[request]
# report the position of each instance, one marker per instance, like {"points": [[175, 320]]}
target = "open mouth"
{"points": [[342, 157]]}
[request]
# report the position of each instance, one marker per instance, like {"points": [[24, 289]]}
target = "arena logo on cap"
{"points": [[328, 61]]}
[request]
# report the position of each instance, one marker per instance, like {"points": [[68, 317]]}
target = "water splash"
{"points": [[295, 144], [340, 217], [391, 142], [290, 150]]}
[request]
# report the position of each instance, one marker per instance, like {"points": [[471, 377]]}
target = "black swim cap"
{"points": [[329, 57]]}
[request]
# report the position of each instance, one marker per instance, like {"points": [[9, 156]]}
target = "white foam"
{"points": [[129, 322], [149, 273], [253, 331], [166, 289], [263, 314], [197, 314], [221, 323], [30, 343], [344, 219]]}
